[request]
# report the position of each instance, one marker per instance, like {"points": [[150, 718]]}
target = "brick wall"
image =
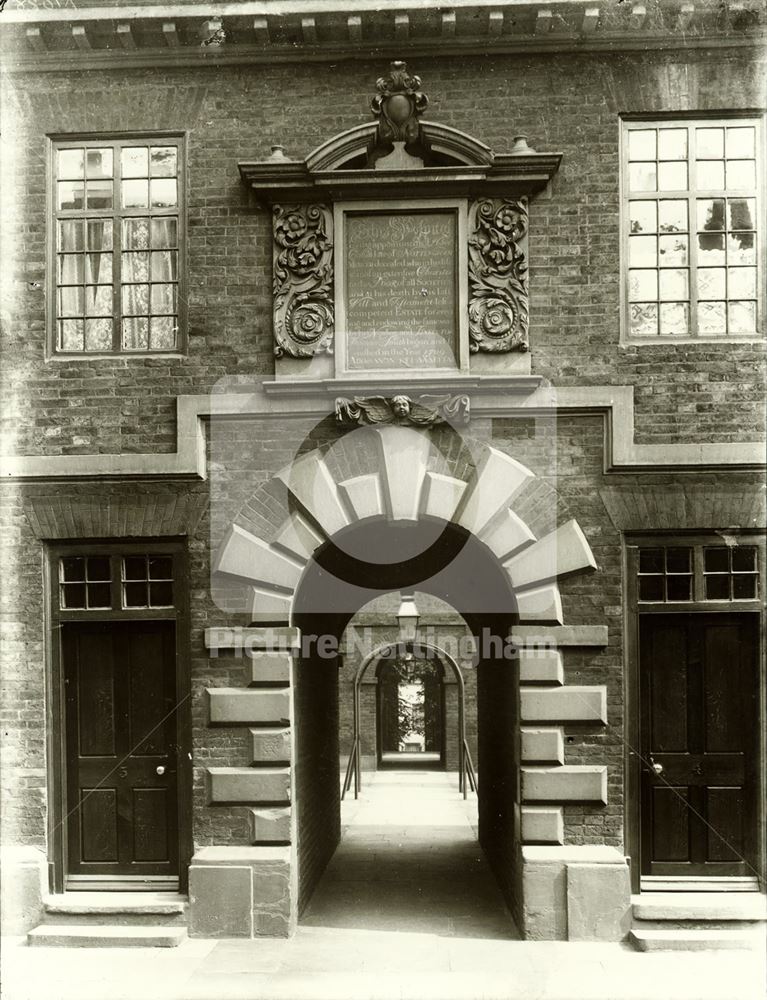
{"points": [[569, 103]]}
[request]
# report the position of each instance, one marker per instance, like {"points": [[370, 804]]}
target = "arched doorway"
{"points": [[411, 712]]}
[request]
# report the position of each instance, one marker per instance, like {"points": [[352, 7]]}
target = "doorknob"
{"points": [[160, 769], [658, 768]]}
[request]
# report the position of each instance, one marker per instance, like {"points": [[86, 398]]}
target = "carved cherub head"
{"points": [[401, 406]]}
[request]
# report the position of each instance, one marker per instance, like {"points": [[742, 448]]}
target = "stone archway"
{"points": [[398, 476]]}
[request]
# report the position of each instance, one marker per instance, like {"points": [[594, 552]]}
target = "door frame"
{"points": [[55, 618], [632, 703]]}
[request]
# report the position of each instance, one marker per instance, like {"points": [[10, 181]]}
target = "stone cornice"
{"points": [[614, 403], [81, 36]]}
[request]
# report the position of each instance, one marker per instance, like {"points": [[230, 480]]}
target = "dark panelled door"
{"points": [[121, 749], [700, 744]]}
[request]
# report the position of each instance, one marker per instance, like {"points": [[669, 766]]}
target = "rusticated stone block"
{"points": [[270, 745], [270, 825], [220, 901], [598, 902], [248, 784], [541, 666], [270, 667], [568, 783], [248, 705], [543, 745], [573, 703], [542, 825]]}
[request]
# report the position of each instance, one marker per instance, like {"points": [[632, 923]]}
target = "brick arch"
{"points": [[403, 474]]}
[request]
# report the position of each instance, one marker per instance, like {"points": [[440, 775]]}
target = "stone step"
{"points": [[699, 906], [695, 939], [122, 908], [105, 936]]}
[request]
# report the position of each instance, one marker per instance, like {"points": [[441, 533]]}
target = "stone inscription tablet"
{"points": [[401, 290]]}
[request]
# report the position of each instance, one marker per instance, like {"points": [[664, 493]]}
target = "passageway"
{"points": [[409, 860]]}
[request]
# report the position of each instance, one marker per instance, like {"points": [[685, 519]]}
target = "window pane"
{"points": [[743, 587], [160, 568], [99, 195], [644, 319], [164, 192], [71, 234], [99, 568], [679, 588], [643, 285], [672, 144], [718, 588], [71, 301], [73, 595], [741, 318], [741, 248], [163, 161], [135, 234], [710, 174], [134, 161], [672, 216], [160, 595], [71, 335], [674, 319], [710, 143], [741, 213], [711, 318], [672, 176], [164, 265], [678, 560], [135, 300], [70, 270], [711, 248], [99, 596], [651, 588], [164, 233], [716, 559], [741, 282], [711, 283], [673, 284], [98, 268], [70, 163], [744, 559], [163, 299], [642, 251], [651, 561], [642, 144], [98, 163], [99, 234], [98, 335], [643, 216], [135, 334], [643, 177], [135, 595], [135, 194], [134, 568], [71, 195], [741, 175], [741, 142], [98, 300], [672, 250], [72, 568], [163, 333], [135, 266], [710, 214]]}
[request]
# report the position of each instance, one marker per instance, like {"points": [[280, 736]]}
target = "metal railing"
{"points": [[468, 774], [353, 768]]}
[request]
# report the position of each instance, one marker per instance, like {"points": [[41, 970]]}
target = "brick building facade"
{"points": [[603, 506]]}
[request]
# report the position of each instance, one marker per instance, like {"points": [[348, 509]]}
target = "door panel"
{"points": [[699, 744], [120, 729]]}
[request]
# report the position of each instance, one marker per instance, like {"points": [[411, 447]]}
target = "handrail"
{"points": [[352, 768], [470, 773]]}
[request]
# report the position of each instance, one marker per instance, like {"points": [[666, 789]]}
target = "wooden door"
{"points": [[120, 697], [699, 729]]}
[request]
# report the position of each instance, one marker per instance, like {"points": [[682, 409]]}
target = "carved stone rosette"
{"points": [[498, 297], [303, 280]]}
